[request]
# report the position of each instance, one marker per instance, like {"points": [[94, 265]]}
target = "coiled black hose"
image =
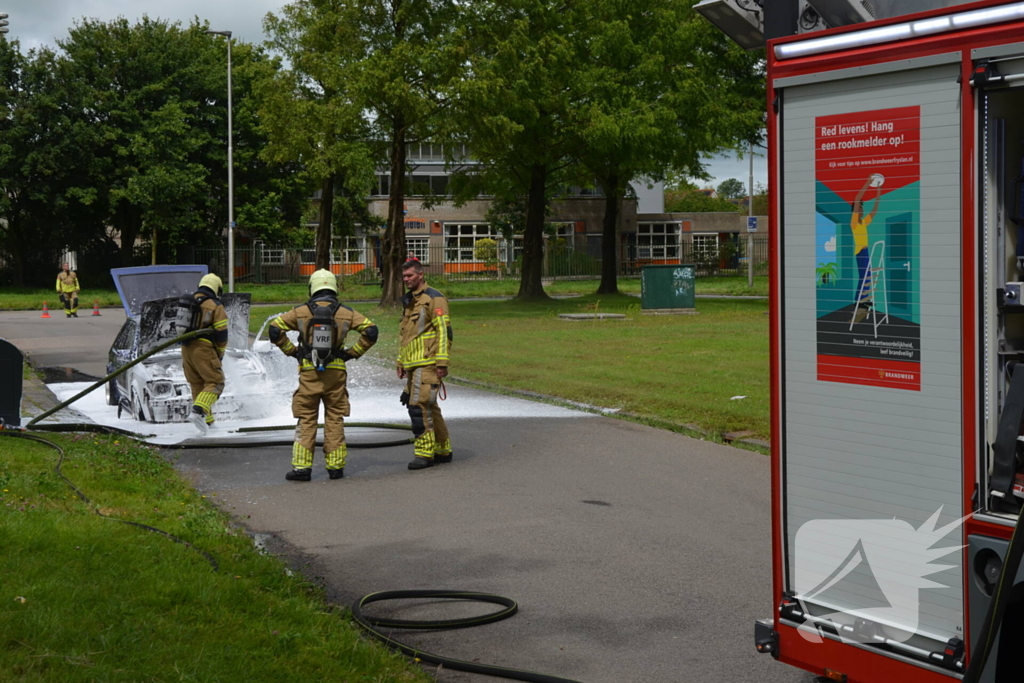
{"points": [[372, 625]]}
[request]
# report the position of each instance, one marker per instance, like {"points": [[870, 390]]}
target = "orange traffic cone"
{"points": [[96, 307], [46, 311]]}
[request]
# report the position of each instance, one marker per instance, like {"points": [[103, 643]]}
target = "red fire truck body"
{"points": [[896, 168]]}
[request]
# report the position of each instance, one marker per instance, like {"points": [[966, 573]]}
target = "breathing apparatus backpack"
{"points": [[188, 313], [321, 334]]}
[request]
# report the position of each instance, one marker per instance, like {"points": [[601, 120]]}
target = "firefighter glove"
{"points": [[404, 398], [345, 355]]}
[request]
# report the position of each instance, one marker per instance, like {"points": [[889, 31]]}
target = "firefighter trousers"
{"points": [[316, 387], [428, 425], [70, 301], [204, 373]]}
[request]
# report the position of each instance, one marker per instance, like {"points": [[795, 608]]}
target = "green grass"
{"points": [[87, 599], [25, 299], [31, 299], [681, 369]]}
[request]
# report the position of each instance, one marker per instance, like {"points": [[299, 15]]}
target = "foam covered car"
{"points": [[155, 390]]}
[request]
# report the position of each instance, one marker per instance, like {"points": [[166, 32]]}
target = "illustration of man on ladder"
{"points": [[859, 225]]}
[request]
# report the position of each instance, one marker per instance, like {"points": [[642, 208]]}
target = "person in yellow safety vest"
{"points": [[322, 323], [67, 290], [202, 355], [425, 338]]}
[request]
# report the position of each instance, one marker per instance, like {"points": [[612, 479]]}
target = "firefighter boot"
{"points": [[198, 418], [336, 474], [419, 463], [300, 475]]}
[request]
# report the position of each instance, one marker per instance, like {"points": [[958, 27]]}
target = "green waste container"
{"points": [[667, 286]]}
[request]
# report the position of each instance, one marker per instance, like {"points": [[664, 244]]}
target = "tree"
{"points": [[695, 201], [388, 61], [649, 67], [30, 171], [731, 188], [308, 110], [516, 108]]}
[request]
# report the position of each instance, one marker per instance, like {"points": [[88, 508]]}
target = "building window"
{"points": [[422, 184], [460, 240], [383, 185], [575, 191], [343, 250], [705, 246], [658, 240], [517, 248], [564, 231], [273, 257], [420, 248], [355, 250]]}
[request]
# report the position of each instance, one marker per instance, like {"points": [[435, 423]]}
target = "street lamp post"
{"points": [[231, 175]]}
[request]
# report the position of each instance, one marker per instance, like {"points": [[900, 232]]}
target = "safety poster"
{"points": [[867, 228]]}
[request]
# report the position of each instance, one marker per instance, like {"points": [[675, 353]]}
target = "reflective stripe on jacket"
{"points": [[425, 331], [214, 317]]}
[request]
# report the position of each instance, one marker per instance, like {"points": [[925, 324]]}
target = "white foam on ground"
{"points": [[373, 394]]}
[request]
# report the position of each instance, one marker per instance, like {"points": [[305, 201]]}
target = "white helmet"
{"points": [[322, 279], [212, 282]]}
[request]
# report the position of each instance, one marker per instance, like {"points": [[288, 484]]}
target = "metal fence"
{"points": [[267, 265]]}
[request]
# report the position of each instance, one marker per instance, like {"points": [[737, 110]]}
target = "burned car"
{"points": [[155, 390]]}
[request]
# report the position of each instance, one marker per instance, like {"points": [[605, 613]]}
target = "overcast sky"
{"points": [[43, 22]]}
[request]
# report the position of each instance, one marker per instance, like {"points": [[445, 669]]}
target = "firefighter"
{"points": [[202, 355], [425, 337], [322, 323], [67, 290]]}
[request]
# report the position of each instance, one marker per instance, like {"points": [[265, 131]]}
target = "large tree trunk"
{"points": [[393, 245], [323, 231], [531, 287], [609, 262]]}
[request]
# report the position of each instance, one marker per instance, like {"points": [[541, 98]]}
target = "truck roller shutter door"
{"points": [[871, 362]]}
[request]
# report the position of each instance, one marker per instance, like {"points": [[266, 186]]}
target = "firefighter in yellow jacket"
{"points": [[67, 290], [322, 323], [425, 337], [202, 355]]}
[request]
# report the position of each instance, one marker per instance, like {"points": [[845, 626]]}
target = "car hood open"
{"points": [[149, 283]]}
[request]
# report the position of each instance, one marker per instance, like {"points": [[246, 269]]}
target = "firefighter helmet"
{"points": [[322, 279], [212, 282]]}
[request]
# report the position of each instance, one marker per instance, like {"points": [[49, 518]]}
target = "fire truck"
{"points": [[896, 174]]}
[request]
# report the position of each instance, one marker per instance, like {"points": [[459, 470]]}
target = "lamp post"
{"points": [[231, 175], [750, 217]]}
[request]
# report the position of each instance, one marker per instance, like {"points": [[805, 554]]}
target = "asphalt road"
{"points": [[635, 554]]}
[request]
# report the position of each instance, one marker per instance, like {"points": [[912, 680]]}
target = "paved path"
{"points": [[636, 554], [81, 343]]}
